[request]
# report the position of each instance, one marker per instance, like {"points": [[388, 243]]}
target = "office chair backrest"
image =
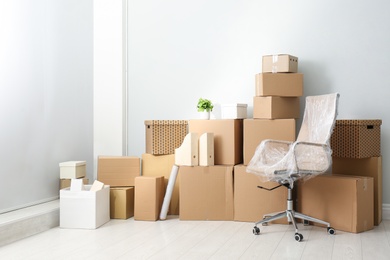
{"points": [[319, 118]]}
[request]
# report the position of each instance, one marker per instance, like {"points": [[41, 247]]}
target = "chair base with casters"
{"points": [[291, 216]]}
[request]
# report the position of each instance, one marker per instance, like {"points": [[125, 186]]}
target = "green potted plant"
{"points": [[205, 106]]}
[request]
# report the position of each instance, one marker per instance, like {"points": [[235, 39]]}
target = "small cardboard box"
{"points": [[276, 107], [65, 183], [234, 111], [369, 167], [149, 196], [279, 84], [161, 165], [73, 169], [164, 136], [252, 203], [206, 192], [121, 202], [118, 171], [346, 202], [227, 138], [356, 138], [257, 130], [84, 209], [280, 63]]}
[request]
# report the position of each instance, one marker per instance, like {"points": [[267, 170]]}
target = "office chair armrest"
{"points": [[273, 150], [312, 156]]}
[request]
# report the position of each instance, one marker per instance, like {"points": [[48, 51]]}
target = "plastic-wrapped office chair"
{"points": [[310, 155]]}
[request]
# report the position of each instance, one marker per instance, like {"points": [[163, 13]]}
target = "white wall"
{"points": [[46, 96], [182, 50], [109, 72]]}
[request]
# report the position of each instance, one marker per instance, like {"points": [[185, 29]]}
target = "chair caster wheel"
{"points": [[256, 230], [331, 231], [298, 237]]}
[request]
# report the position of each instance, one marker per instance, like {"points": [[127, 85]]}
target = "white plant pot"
{"points": [[204, 115]]}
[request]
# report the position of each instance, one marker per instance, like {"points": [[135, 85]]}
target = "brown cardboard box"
{"points": [[356, 138], [252, 203], [65, 183], [206, 192], [227, 138], [164, 136], [276, 107], [118, 171], [346, 202], [280, 63], [148, 197], [279, 84], [370, 167], [121, 202], [161, 165], [257, 130]]}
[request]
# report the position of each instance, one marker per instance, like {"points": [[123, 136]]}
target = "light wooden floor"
{"points": [[175, 239]]}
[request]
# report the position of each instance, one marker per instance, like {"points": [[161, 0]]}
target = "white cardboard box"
{"points": [[234, 111], [73, 169], [84, 209]]}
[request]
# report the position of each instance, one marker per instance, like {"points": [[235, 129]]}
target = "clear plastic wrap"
{"points": [[309, 155]]}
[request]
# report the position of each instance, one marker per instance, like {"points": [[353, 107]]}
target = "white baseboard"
{"points": [[386, 211]]}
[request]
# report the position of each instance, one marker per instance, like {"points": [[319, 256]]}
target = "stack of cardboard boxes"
{"points": [[351, 198], [72, 170], [206, 192], [275, 108], [119, 172]]}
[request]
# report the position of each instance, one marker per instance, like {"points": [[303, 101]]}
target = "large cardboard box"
{"points": [[370, 167], [227, 138], [118, 171], [206, 192], [65, 183], [121, 202], [149, 196], [257, 130], [161, 165], [279, 63], [279, 84], [356, 138], [252, 203], [73, 169], [276, 107], [346, 202], [84, 209], [164, 136]]}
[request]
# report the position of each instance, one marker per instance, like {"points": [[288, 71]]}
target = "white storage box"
{"points": [[84, 209], [72, 170], [234, 111]]}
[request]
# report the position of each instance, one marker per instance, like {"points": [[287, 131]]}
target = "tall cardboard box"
{"points": [[369, 167], [227, 138], [257, 130], [149, 196], [84, 209], [161, 165], [121, 202], [118, 171], [345, 201], [276, 107], [279, 84], [206, 192], [252, 203], [356, 138], [164, 136]]}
